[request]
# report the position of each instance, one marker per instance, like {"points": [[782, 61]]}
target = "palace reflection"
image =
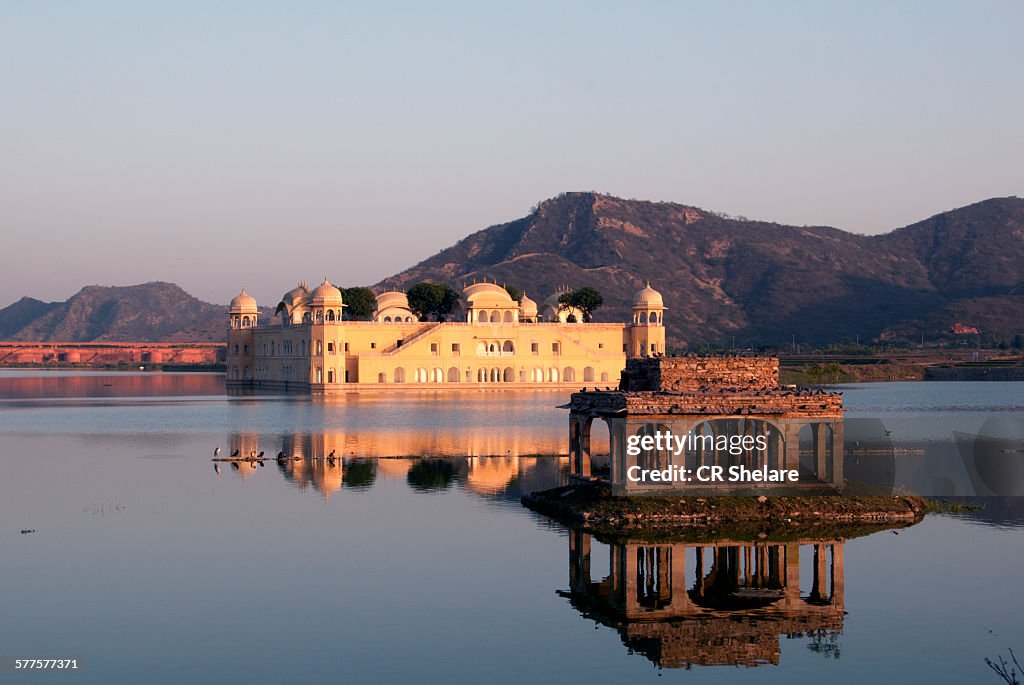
{"points": [[712, 603], [328, 462]]}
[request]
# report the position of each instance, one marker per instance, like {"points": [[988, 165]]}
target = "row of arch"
{"points": [[243, 321], [494, 347], [490, 375], [496, 316], [388, 319], [644, 317]]}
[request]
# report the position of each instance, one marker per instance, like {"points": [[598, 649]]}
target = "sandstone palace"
{"points": [[310, 347]]}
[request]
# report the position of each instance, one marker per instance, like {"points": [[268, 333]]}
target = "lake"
{"points": [[410, 559]]}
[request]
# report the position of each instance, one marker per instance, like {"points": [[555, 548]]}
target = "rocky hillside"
{"points": [[762, 282], [149, 312]]}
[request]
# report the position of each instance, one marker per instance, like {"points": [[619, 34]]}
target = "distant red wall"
{"points": [[97, 354]]}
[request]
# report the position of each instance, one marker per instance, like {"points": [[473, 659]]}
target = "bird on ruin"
{"points": [[260, 455], [331, 454], [216, 451], [281, 456], [236, 453]]}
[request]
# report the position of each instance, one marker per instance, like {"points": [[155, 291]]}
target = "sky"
{"points": [[252, 144]]}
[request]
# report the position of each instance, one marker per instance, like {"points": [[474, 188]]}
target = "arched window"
{"points": [[319, 374], [387, 319], [437, 375], [482, 316], [408, 318], [421, 375], [453, 374], [588, 374], [330, 376], [492, 349], [382, 377], [245, 322], [508, 316], [319, 347], [400, 375], [481, 375], [604, 376], [509, 375], [507, 346], [568, 374], [330, 315], [538, 375], [552, 375], [481, 349]]}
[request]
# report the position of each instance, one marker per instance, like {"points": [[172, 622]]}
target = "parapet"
{"points": [[700, 374]]}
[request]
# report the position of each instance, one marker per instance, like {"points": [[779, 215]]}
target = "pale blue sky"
{"points": [[221, 145]]}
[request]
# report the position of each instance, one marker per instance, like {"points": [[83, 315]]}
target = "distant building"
{"points": [[961, 329], [501, 342]]}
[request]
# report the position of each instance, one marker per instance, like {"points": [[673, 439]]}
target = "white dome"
{"points": [[487, 295], [528, 307], [243, 302], [392, 298], [325, 293], [648, 297]]}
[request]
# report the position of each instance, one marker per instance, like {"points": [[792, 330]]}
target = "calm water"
{"points": [[385, 567]]}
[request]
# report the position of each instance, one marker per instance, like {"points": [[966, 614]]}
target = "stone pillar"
{"points": [[791, 447], [631, 558], [820, 564], [838, 576], [617, 561], [838, 479], [820, 431], [579, 561], [680, 598], [792, 581]]}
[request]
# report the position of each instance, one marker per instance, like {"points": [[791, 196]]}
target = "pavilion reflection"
{"points": [[327, 463], [712, 603]]}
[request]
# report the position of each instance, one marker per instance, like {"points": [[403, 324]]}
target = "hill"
{"points": [[761, 282], [151, 312]]}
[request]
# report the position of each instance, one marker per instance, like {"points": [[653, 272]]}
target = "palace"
{"points": [[310, 347]]}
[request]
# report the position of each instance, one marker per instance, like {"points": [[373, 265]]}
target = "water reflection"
{"points": [[713, 602], [34, 385], [321, 461]]}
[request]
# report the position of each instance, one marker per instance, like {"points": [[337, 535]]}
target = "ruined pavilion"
{"points": [[710, 396]]}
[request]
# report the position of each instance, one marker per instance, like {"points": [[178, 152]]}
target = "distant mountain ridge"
{"points": [[150, 312], [761, 282], [764, 283]]}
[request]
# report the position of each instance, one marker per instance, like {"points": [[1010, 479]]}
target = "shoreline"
{"points": [[592, 506]]}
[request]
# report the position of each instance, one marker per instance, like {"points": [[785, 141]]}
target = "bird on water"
{"points": [[216, 451]]}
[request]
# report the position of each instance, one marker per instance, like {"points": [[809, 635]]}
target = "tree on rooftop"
{"points": [[359, 303], [432, 299], [586, 300]]}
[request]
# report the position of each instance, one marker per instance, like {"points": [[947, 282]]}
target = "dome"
{"points": [[528, 307], [552, 300], [243, 302], [392, 298], [487, 295], [325, 293], [648, 297]]}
